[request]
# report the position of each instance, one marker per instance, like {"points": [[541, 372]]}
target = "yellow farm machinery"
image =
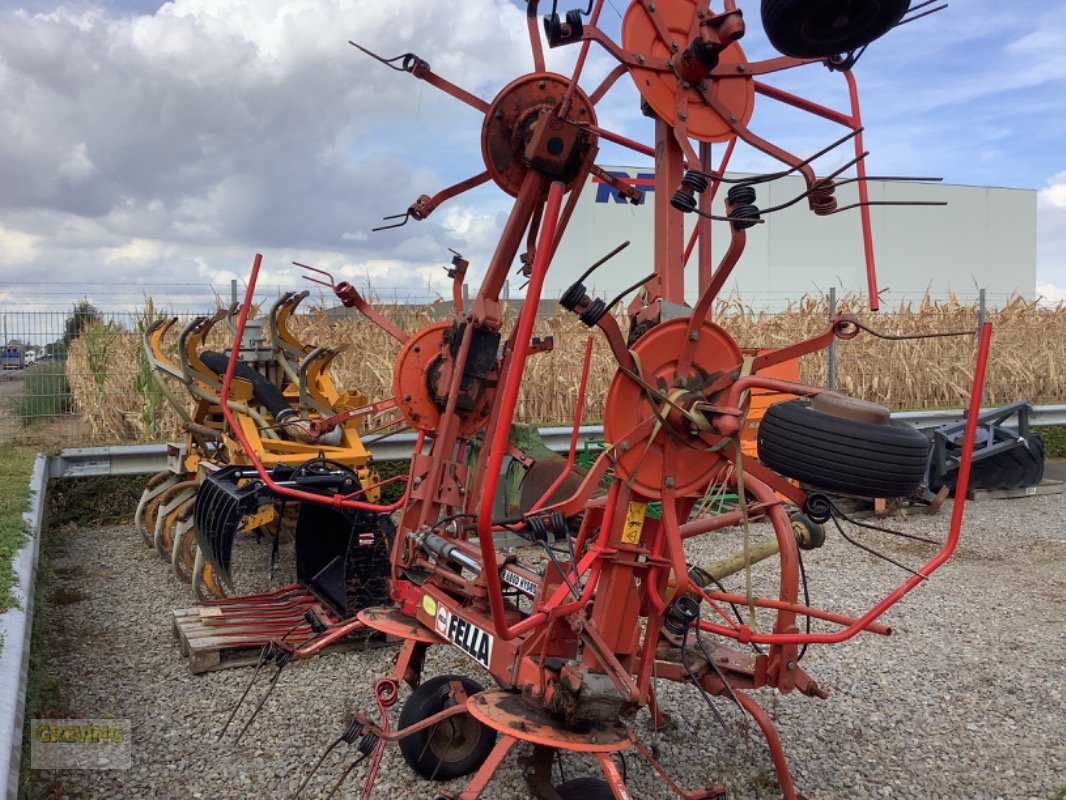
{"points": [[299, 425]]}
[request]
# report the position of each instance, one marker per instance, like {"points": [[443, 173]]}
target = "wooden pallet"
{"points": [[210, 647]]}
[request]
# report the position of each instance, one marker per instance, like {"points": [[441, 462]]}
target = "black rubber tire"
{"points": [[824, 28], [426, 751], [842, 455], [585, 789], [1013, 469]]}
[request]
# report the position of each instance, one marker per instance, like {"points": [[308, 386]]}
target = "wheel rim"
{"points": [[455, 738]]}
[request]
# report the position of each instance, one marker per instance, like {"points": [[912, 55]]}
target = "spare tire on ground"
{"points": [[1009, 469], [829, 452]]}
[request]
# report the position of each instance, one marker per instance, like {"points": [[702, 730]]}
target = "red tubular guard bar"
{"points": [[498, 446], [338, 501], [932, 565]]}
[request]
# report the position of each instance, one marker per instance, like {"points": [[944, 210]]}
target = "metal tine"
{"points": [[603, 261], [348, 735], [773, 176], [406, 217], [889, 179], [629, 289], [923, 14], [869, 203], [873, 552], [264, 655], [706, 698], [344, 775], [409, 59], [283, 659]]}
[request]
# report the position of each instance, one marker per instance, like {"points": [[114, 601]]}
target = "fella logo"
{"points": [[467, 636], [605, 193]]}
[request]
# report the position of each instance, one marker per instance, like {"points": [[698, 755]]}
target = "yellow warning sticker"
{"points": [[634, 522], [429, 605]]}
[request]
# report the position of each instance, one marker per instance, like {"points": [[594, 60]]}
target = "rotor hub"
{"points": [[530, 125]]}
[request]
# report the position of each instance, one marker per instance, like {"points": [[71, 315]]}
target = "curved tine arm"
{"points": [[280, 334], [194, 342], [154, 336], [183, 351], [288, 350], [210, 322], [310, 373], [231, 314]]}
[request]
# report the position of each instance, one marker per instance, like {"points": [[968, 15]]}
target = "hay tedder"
{"points": [[293, 421], [576, 644]]}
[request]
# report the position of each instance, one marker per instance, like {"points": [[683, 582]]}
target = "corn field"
{"points": [[116, 396]]}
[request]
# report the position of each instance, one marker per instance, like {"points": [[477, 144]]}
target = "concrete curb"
{"points": [[16, 626]]}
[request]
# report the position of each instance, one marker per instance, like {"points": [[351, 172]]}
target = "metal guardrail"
{"points": [[140, 459]]}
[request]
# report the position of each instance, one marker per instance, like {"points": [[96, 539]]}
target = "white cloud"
{"points": [[1053, 196], [1050, 295], [167, 148], [18, 246]]}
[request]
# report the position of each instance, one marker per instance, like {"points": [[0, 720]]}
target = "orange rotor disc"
{"points": [[641, 460], [662, 89]]}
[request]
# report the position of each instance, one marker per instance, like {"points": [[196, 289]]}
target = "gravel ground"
{"points": [[964, 700]]}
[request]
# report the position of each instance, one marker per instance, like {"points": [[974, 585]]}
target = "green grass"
{"points": [[45, 394], [16, 464]]}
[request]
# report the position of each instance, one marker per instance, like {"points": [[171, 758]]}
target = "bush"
{"points": [[45, 394], [1054, 445]]}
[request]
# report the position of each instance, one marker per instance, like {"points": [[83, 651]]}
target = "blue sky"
{"points": [[146, 145]]}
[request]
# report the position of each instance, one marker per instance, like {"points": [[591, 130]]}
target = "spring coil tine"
{"points": [[408, 61], [741, 194]]}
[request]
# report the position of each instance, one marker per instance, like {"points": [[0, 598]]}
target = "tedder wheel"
{"points": [[148, 505], [824, 28], [842, 455], [456, 746], [183, 538], [585, 789], [206, 583]]}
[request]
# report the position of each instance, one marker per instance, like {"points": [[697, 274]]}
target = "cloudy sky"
{"points": [[146, 147]]}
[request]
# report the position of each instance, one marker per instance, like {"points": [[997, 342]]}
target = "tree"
{"points": [[83, 315]]}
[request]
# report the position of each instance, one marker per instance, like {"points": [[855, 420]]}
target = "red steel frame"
{"points": [[628, 567]]}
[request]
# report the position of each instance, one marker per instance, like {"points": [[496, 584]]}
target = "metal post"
{"points": [[831, 379], [981, 314], [233, 291]]}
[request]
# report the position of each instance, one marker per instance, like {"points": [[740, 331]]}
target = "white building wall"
{"points": [[984, 238]]}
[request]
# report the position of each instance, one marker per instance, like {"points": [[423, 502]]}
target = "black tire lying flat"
{"points": [[842, 455], [824, 28], [585, 789], [454, 747], [1011, 469]]}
